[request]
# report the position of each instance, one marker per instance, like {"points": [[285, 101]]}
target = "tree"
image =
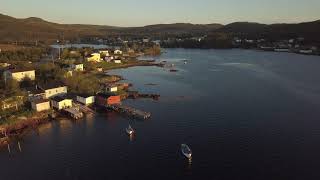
{"points": [[12, 87]]}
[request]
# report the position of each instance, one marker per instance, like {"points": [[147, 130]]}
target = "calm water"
{"points": [[245, 114]]}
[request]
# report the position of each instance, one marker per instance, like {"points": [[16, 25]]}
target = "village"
{"points": [[34, 92]]}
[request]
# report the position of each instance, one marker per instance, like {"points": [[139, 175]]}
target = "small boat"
{"points": [[129, 130], [186, 151]]}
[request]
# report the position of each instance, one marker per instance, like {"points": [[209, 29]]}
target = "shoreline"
{"points": [[7, 131]]}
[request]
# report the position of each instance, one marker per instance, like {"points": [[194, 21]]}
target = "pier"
{"points": [[129, 111], [74, 112], [83, 108], [136, 95]]}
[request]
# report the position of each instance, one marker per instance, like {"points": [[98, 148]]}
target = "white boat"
{"points": [[129, 130], [186, 151]]}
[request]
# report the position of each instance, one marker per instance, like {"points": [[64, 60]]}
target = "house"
{"points": [[117, 61], [54, 89], [19, 75], [107, 99], [86, 99], [77, 67], [145, 40], [99, 69], [4, 65], [111, 88], [105, 53], [95, 57], [11, 102], [35, 94], [68, 73], [40, 105], [118, 52], [305, 51], [61, 102]]}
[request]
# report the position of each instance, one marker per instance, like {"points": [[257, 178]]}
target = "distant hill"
{"points": [[12, 29], [33, 28], [308, 30]]}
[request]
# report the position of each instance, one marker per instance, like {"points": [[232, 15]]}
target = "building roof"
{"points": [[52, 85], [106, 95], [111, 85], [40, 101], [85, 95], [34, 90], [60, 98], [20, 70]]}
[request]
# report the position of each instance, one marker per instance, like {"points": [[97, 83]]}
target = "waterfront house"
{"points": [[61, 102], [35, 94], [305, 51], [95, 57], [85, 99], [104, 52], [40, 105], [111, 88], [117, 61], [19, 75], [117, 52], [99, 69], [54, 89], [77, 67], [4, 65], [107, 99]]}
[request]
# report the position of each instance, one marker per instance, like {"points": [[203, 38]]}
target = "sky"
{"points": [[128, 13]]}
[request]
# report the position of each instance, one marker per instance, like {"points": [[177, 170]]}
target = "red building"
{"points": [[107, 99]]}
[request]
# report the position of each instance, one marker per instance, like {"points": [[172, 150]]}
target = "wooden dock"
{"points": [[74, 112], [129, 111], [83, 108]]}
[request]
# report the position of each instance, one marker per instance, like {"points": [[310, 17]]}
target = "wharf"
{"points": [[135, 113], [74, 112]]}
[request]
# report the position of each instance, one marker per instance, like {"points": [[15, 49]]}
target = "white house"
{"points": [[60, 102], [118, 52], [52, 90], [19, 75], [104, 52], [86, 99], [40, 105], [111, 88], [117, 61], [77, 67]]}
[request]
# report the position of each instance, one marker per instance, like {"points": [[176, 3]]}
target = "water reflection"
{"points": [[64, 126], [131, 137], [44, 129]]}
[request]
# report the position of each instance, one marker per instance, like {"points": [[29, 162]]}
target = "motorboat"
{"points": [[186, 151], [129, 130]]}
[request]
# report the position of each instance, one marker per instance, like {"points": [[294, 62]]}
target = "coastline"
{"points": [[21, 123]]}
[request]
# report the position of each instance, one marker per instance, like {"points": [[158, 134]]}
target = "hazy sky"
{"points": [[144, 12]]}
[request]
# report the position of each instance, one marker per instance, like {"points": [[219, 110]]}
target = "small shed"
{"points": [[40, 105]]}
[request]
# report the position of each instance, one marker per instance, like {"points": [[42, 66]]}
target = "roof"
{"points": [[20, 70], [40, 101], [106, 95], [60, 98], [111, 85], [34, 90], [84, 95], [52, 85]]}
